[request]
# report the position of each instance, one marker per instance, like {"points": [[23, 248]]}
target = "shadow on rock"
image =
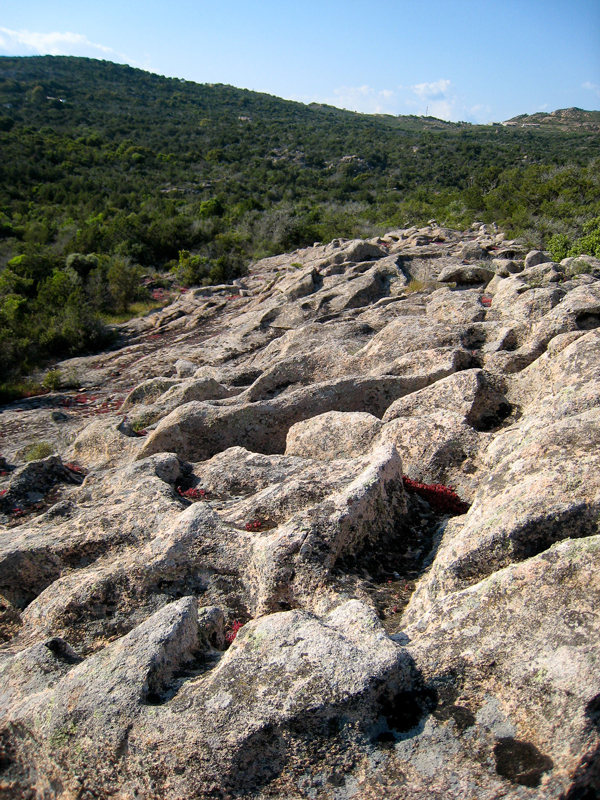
{"points": [[586, 781]]}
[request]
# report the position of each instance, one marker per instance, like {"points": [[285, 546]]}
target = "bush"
{"points": [[589, 243], [123, 281], [52, 380], [211, 208], [415, 285], [202, 271], [192, 270], [39, 450], [559, 246], [82, 264]]}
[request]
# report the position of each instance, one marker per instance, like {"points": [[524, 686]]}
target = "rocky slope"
{"points": [[563, 119], [236, 467]]}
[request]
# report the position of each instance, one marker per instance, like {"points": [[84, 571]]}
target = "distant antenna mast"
{"points": [[427, 111]]}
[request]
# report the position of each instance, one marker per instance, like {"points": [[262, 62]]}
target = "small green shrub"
{"points": [[559, 246], [52, 380], [415, 285], [579, 267], [37, 451], [17, 390], [589, 243]]}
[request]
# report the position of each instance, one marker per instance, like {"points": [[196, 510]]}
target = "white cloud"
{"points": [[442, 109], [479, 113], [432, 91], [53, 44], [593, 86], [436, 99], [433, 99], [364, 99]]}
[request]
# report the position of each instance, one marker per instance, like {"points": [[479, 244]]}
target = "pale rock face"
{"points": [[391, 641], [184, 368], [472, 250], [466, 274], [506, 266], [535, 257], [332, 435]]}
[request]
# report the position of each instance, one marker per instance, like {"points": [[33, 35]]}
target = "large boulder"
{"points": [[465, 274], [535, 257]]}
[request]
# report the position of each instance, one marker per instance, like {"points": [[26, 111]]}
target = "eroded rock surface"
{"points": [[217, 583]]}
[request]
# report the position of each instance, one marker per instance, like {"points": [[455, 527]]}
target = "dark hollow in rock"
{"points": [[62, 650], [386, 740], [447, 687], [540, 534], [537, 535], [7, 754], [402, 552], [125, 428], [39, 477], [473, 338], [160, 692], [405, 710], [587, 321], [586, 783], [493, 419], [278, 389], [16, 566], [153, 698], [521, 762], [245, 378], [592, 711], [390, 565]]}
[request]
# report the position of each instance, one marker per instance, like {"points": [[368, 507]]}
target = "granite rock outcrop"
{"points": [[237, 572]]}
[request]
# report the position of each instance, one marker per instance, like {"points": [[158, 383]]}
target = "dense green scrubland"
{"points": [[108, 173]]}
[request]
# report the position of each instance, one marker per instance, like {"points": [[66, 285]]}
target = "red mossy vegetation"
{"points": [[192, 494], [233, 631], [441, 498]]}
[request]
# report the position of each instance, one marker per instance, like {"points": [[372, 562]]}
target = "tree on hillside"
{"points": [[123, 281]]}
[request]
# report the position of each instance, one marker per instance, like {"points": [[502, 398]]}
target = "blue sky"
{"points": [[473, 61]]}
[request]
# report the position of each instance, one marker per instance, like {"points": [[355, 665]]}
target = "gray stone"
{"points": [[472, 250], [506, 266], [244, 596], [462, 274], [535, 257], [184, 368], [332, 435]]}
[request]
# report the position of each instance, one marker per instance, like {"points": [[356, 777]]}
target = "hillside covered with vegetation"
{"points": [[109, 174]]}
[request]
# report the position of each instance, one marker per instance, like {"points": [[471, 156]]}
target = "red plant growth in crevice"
{"points": [[191, 494], [441, 498], [233, 631]]}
